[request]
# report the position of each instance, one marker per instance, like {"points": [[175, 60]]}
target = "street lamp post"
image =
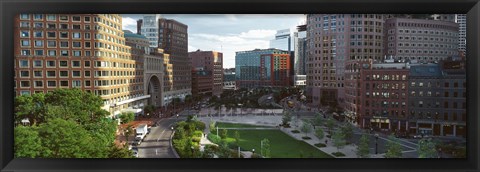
{"points": [[376, 143]]}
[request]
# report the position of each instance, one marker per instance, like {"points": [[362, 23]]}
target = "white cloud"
{"points": [[258, 34], [129, 23]]}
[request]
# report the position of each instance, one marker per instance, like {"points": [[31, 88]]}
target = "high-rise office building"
{"points": [[148, 27], [262, 67], [282, 40], [85, 51], [461, 19], [333, 39], [209, 65], [300, 47]]}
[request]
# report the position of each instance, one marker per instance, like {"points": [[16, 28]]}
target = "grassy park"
{"points": [[281, 144]]}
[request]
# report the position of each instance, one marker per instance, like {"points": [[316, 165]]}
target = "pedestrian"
{"points": [[326, 141]]}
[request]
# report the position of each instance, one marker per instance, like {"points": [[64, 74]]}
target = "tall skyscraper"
{"points": [[300, 57], [461, 19], [149, 28], [333, 39], [282, 40], [85, 51]]}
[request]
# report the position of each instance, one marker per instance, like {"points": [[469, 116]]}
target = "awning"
{"points": [[132, 110]]}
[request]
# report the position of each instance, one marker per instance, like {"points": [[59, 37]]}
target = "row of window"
{"points": [[53, 17], [431, 32], [429, 84], [41, 25], [53, 53], [53, 44], [52, 84], [53, 74]]}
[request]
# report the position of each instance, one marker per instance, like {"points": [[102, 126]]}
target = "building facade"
{"points": [[461, 19], [229, 79], [173, 39], [208, 63], [332, 40], [263, 67], [202, 82], [148, 27], [437, 100], [377, 95], [282, 40], [300, 47], [85, 51], [421, 40]]}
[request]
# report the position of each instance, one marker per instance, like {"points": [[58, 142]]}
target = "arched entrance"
{"points": [[154, 90]]}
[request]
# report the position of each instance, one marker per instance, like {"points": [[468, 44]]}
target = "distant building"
{"points": [[461, 19], [229, 79], [262, 67], [207, 65], [148, 27], [282, 40], [300, 81], [300, 47]]}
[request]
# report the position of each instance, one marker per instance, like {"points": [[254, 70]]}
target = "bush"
{"points": [[295, 131], [199, 125], [196, 139], [197, 133], [306, 138], [320, 145], [126, 117], [214, 138], [338, 154]]}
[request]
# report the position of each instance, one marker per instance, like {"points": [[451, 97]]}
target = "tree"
{"points": [[338, 139], [126, 117], [347, 130], [237, 137], [319, 133], [119, 152], [306, 128], [286, 118], [265, 151], [427, 149], [318, 120], [394, 149], [223, 133], [27, 142], [128, 132], [330, 124], [362, 148], [212, 126], [149, 109]]}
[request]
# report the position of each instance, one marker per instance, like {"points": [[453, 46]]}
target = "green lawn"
{"points": [[235, 125], [281, 144]]}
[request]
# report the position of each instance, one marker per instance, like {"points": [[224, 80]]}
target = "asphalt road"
{"points": [[157, 143]]}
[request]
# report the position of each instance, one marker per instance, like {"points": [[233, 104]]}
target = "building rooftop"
{"points": [[129, 34], [425, 70]]}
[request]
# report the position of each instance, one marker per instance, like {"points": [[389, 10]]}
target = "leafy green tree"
{"points": [[223, 133], [306, 128], [427, 149], [286, 119], [128, 132], [27, 142], [394, 149], [32, 107], [265, 148], [237, 137], [362, 149], [319, 133], [330, 124], [119, 152], [338, 139], [127, 117], [149, 109], [66, 139], [317, 120], [212, 126], [347, 130]]}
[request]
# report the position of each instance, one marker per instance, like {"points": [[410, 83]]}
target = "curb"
{"points": [[171, 145]]}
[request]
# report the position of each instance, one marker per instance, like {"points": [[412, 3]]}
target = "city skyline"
{"points": [[237, 32]]}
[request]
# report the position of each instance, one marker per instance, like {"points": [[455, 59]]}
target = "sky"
{"points": [[227, 33]]}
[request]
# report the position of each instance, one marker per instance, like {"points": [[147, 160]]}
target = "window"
{"points": [[63, 34], [88, 45], [87, 36], [75, 63], [52, 53], [447, 84], [446, 94], [63, 83], [76, 83], [25, 52], [37, 74], [38, 34], [38, 43], [63, 18], [64, 52], [38, 25], [25, 24], [64, 44], [38, 84], [51, 83], [76, 35], [63, 26], [24, 74], [76, 44], [63, 64], [51, 17], [76, 73], [51, 26], [51, 63], [24, 84], [76, 26], [87, 63], [51, 34], [88, 53], [25, 43], [77, 53], [38, 16], [87, 27], [87, 19], [75, 18], [51, 44], [87, 83], [23, 63], [87, 73], [39, 52], [24, 16], [51, 74], [455, 84], [63, 73]]}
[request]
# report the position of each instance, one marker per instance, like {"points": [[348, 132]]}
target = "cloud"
{"points": [[258, 34], [129, 23]]}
